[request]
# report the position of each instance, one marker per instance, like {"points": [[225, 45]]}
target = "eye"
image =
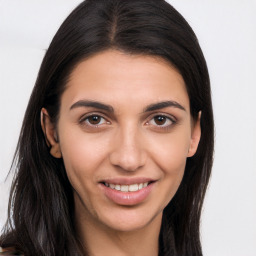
{"points": [[161, 122], [93, 120]]}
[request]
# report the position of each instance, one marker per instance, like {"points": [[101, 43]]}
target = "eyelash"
{"points": [[84, 121], [164, 127]]}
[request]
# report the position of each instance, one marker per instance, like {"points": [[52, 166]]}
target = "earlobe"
{"points": [[195, 136], [50, 134], [55, 151]]}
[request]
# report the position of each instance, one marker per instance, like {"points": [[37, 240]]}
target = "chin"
{"points": [[130, 219]]}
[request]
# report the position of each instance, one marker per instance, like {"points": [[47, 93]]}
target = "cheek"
{"points": [[82, 155], [170, 157], [170, 152]]}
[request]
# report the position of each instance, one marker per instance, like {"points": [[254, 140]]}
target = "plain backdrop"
{"points": [[227, 33]]}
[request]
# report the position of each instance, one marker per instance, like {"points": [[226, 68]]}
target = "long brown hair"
{"points": [[41, 200]]}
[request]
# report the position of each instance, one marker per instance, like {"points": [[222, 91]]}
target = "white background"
{"points": [[227, 33]]}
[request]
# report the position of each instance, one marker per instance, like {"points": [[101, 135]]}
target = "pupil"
{"points": [[94, 119], [160, 120]]}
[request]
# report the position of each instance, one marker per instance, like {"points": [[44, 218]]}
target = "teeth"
{"points": [[134, 187], [127, 188], [124, 188], [117, 187]]}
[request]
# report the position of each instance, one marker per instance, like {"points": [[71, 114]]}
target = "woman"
{"points": [[116, 147]]}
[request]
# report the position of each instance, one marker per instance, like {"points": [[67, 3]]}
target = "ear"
{"points": [[195, 136], [50, 134]]}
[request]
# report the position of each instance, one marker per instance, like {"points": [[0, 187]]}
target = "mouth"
{"points": [[127, 192], [127, 188]]}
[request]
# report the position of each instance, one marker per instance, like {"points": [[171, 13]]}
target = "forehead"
{"points": [[113, 77]]}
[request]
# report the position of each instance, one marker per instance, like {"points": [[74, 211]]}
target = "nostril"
{"points": [[126, 161]]}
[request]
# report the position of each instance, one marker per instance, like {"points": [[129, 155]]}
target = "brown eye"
{"points": [[160, 120], [94, 120]]}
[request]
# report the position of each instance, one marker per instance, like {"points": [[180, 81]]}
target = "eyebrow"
{"points": [[93, 104], [163, 104], [108, 108]]}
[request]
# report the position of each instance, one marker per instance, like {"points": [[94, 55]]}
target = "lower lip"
{"points": [[127, 198]]}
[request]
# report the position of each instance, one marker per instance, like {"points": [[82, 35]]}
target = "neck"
{"points": [[99, 239]]}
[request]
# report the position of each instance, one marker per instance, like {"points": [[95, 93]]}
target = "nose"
{"points": [[128, 150]]}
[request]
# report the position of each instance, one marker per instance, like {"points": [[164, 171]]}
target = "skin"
{"points": [[127, 142]]}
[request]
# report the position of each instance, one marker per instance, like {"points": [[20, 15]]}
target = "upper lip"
{"points": [[127, 181]]}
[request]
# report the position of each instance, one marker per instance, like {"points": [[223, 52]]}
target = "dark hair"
{"points": [[41, 201]]}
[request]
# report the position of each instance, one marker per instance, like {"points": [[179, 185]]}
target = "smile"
{"points": [[127, 192], [127, 188]]}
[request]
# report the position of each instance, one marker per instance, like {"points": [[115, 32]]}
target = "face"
{"points": [[124, 133]]}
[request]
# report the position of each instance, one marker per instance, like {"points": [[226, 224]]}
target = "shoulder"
{"points": [[9, 245], [9, 251]]}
